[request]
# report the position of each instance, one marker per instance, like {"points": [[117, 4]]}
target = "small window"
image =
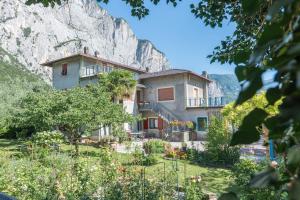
{"points": [[202, 123], [64, 70], [165, 94], [153, 123]]}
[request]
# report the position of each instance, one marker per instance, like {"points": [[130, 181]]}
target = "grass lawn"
{"points": [[214, 180]]}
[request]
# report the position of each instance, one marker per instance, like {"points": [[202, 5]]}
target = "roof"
{"points": [[171, 72], [50, 63]]}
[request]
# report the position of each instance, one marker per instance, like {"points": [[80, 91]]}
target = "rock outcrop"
{"points": [[34, 34]]}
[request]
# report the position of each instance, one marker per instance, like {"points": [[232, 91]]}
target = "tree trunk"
{"points": [[76, 144]]}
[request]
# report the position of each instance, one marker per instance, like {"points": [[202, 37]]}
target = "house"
{"points": [[167, 100]]}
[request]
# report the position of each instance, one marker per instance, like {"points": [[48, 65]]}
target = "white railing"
{"points": [[205, 102]]}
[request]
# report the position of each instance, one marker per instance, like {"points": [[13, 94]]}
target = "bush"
{"points": [[243, 171], [139, 158], [48, 139], [194, 191], [217, 146], [155, 146]]}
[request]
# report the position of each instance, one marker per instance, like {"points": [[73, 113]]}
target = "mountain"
{"points": [[15, 82], [34, 34], [225, 85]]}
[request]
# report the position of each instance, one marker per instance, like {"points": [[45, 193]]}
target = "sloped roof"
{"points": [[50, 63], [171, 72]]}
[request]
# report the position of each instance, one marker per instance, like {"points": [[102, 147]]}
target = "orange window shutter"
{"points": [[160, 123], [166, 94]]}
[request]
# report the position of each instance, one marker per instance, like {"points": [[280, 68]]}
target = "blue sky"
{"points": [[175, 31]]}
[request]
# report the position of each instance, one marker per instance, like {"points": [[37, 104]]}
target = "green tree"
{"points": [[218, 140], [119, 83], [234, 115], [75, 112]]}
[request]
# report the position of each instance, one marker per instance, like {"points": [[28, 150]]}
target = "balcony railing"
{"points": [[205, 102], [92, 70]]}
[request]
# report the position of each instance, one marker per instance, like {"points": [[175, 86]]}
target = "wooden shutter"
{"points": [[64, 71], [166, 94], [146, 124], [160, 123]]}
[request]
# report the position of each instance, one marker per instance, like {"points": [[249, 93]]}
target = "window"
{"points": [[201, 123], [165, 94], [153, 123], [64, 70]]}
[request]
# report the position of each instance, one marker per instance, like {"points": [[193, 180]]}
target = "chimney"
{"points": [[204, 73], [85, 50], [96, 54]]}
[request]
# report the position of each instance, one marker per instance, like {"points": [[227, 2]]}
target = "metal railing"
{"points": [[205, 102], [159, 109]]}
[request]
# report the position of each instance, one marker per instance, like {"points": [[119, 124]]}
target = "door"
{"points": [[196, 97]]}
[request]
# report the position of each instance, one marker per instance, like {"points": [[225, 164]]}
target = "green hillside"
{"points": [[15, 83], [228, 84]]}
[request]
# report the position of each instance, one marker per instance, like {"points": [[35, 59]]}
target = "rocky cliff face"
{"points": [[34, 34], [225, 85]]}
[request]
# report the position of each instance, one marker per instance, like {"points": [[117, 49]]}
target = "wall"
{"points": [[71, 80], [176, 81]]}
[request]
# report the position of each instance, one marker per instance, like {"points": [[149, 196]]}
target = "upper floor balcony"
{"points": [[205, 102], [93, 70]]}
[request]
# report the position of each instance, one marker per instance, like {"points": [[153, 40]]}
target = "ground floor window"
{"points": [[153, 123], [202, 123]]}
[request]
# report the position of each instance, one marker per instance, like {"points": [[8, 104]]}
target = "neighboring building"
{"points": [[161, 97]]}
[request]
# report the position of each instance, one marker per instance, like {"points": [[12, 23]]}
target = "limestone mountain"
{"points": [[225, 85], [33, 34]]}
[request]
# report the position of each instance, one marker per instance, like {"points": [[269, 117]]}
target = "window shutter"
{"points": [[160, 123], [166, 94], [64, 71], [146, 124]]}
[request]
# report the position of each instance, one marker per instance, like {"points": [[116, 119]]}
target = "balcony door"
{"points": [[196, 97]]}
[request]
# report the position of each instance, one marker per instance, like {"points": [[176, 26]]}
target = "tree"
{"points": [[75, 112], [118, 83], [234, 115], [266, 38]]}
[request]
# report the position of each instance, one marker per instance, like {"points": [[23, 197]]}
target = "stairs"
{"points": [[160, 110]]}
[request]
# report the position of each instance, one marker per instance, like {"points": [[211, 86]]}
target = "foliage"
{"points": [[217, 146], [154, 146], [140, 158], [194, 191], [242, 173], [175, 153], [234, 115], [75, 112], [15, 82], [118, 83], [48, 139]]}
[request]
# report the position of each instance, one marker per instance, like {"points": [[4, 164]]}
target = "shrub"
{"points": [[139, 158], [175, 153], [155, 146], [193, 191], [48, 139], [217, 146], [243, 171]]}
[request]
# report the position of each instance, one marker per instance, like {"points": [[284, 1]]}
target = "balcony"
{"points": [[205, 102], [93, 70]]}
